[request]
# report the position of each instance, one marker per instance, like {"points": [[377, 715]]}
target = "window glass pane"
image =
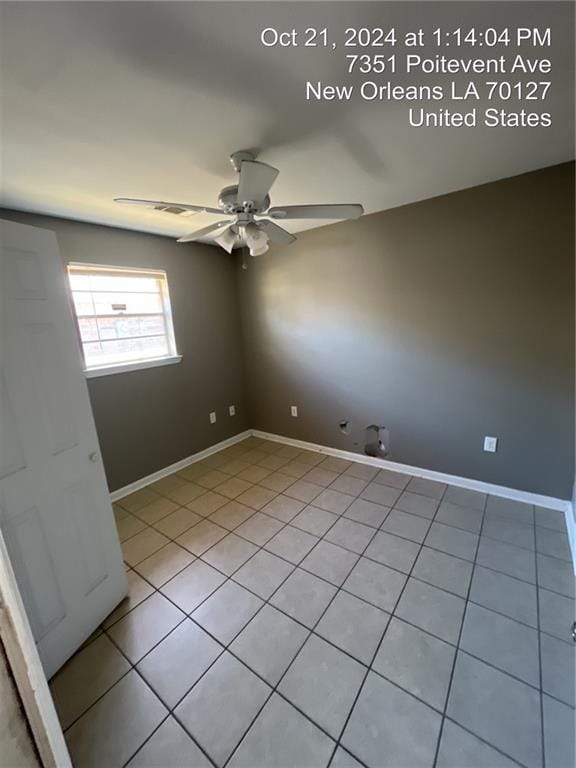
{"points": [[80, 282], [124, 350], [83, 303], [117, 303], [119, 327], [121, 283], [88, 329], [122, 317]]}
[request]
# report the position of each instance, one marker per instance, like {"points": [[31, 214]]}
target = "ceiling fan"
{"points": [[244, 203]]}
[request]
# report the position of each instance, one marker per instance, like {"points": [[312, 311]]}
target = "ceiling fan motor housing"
{"points": [[242, 203], [229, 203]]}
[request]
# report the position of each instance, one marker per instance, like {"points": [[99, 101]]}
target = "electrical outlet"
{"points": [[294, 411], [490, 444], [232, 410], [213, 417]]}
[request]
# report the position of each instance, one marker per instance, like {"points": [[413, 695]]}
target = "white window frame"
{"points": [[129, 365]]}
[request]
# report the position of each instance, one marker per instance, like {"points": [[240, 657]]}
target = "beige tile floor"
{"points": [[293, 610]]}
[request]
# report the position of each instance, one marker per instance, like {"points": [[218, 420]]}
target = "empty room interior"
{"points": [[287, 444]]}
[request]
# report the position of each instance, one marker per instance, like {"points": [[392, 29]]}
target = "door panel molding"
{"points": [[33, 561], [86, 534], [11, 451], [25, 274], [47, 364]]}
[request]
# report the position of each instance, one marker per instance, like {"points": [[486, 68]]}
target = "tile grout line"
{"points": [[379, 644], [503, 518], [484, 741], [169, 712], [539, 640], [111, 639], [374, 533], [306, 639], [427, 545], [259, 546], [367, 602], [454, 662], [290, 522], [299, 565], [225, 648], [343, 514], [340, 588], [294, 566], [241, 661], [310, 633]]}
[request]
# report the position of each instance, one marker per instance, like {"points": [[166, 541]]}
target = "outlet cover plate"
{"points": [[490, 444], [213, 417]]}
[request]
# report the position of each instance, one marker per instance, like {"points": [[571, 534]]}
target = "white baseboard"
{"points": [[571, 528], [137, 485], [561, 505]]}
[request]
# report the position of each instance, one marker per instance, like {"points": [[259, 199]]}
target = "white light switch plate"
{"points": [[213, 417], [294, 411], [490, 444]]}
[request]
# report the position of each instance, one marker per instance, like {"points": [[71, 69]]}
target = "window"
{"points": [[124, 318]]}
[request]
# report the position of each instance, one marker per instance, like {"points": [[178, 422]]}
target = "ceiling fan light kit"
{"points": [[256, 239], [244, 203]]}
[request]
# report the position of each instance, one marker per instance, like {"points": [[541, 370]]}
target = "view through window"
{"points": [[123, 314]]}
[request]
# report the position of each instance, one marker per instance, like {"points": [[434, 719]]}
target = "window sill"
{"points": [[137, 365]]}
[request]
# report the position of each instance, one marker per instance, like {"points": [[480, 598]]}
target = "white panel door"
{"points": [[55, 509]]}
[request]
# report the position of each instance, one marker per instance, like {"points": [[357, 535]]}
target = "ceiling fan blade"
{"points": [[202, 232], [160, 205], [276, 233], [227, 239], [255, 181], [351, 211]]}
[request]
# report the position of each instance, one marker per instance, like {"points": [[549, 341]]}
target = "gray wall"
{"points": [[445, 320], [151, 418]]}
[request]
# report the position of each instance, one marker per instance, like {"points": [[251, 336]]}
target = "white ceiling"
{"points": [[148, 100]]}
